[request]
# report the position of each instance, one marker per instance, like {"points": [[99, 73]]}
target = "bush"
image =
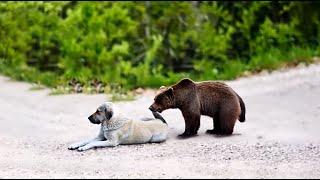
{"points": [[149, 44]]}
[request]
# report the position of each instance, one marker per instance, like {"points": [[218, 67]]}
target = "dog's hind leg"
{"points": [[158, 137]]}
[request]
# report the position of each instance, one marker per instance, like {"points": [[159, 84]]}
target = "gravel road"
{"points": [[280, 138]]}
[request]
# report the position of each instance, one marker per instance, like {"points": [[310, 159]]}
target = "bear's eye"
{"points": [[157, 100]]}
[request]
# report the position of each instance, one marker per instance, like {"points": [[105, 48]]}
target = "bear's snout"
{"points": [[152, 108], [155, 108]]}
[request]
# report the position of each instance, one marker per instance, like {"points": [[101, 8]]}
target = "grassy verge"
{"points": [[57, 85], [271, 60], [268, 61]]}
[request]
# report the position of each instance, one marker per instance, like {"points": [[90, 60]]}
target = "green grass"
{"points": [[271, 60], [60, 90], [115, 94], [275, 58], [36, 87], [122, 96], [28, 74]]}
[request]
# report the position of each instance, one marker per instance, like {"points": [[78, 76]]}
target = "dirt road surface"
{"points": [[280, 138]]}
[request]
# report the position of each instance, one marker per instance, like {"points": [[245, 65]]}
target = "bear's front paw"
{"points": [[212, 131], [186, 135]]}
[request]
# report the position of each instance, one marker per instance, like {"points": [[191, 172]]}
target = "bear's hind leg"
{"points": [[227, 120]]}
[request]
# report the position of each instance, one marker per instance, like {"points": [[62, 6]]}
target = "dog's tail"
{"points": [[242, 116], [158, 116]]}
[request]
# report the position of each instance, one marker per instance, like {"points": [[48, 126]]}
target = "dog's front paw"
{"points": [[74, 146], [83, 148]]}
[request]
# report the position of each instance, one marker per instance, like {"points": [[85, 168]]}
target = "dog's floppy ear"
{"points": [[109, 113]]}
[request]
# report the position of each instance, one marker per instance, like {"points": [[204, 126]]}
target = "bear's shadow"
{"points": [[211, 135], [224, 136]]}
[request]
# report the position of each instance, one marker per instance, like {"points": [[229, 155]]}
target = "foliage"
{"points": [[149, 44]]}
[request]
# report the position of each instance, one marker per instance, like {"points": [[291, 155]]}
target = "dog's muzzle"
{"points": [[92, 120]]}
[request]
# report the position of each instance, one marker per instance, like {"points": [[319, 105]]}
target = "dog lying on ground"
{"points": [[117, 129]]}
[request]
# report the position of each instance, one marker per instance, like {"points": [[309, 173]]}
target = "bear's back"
{"points": [[212, 94], [214, 87]]}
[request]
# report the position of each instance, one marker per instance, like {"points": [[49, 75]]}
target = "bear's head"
{"points": [[164, 100]]}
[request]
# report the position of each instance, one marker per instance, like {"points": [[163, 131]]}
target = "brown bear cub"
{"points": [[210, 98]]}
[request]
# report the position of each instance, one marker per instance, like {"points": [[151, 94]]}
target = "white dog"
{"points": [[117, 129]]}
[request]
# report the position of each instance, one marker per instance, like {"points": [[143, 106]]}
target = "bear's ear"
{"points": [[169, 92], [185, 82], [162, 88]]}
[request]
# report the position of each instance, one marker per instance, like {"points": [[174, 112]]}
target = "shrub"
{"points": [[148, 44]]}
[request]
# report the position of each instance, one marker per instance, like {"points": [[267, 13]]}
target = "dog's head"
{"points": [[103, 113]]}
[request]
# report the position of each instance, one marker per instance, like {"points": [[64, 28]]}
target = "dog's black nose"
{"points": [[92, 120]]}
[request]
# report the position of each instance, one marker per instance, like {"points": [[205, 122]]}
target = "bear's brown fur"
{"points": [[210, 98]]}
